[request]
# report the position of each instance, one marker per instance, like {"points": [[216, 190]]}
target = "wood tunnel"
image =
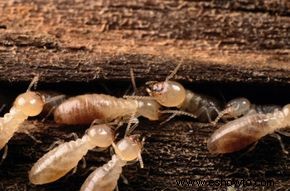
{"points": [[227, 49]]}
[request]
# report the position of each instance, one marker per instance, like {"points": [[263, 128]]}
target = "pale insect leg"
{"points": [[32, 137], [278, 137], [286, 134], [84, 162], [130, 128], [54, 144], [5, 152], [133, 81], [139, 155], [2, 107], [125, 180]]}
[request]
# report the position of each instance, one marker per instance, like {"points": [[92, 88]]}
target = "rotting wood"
{"points": [[240, 41]]}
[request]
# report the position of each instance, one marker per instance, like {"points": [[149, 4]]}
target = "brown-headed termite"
{"points": [[172, 94], [105, 178], [239, 133]]}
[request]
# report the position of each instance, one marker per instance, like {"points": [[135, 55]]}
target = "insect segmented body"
{"points": [[86, 108], [105, 178], [242, 106], [60, 160], [237, 134], [25, 105], [173, 94]]}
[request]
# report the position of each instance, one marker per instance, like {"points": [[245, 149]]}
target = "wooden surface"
{"points": [[236, 48]]}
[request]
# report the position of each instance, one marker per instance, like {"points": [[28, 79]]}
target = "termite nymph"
{"points": [[238, 134], [105, 178], [86, 108], [172, 94], [63, 158]]}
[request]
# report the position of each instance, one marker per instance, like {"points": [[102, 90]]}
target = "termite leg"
{"points": [[125, 180], [72, 135], [286, 134], [168, 119], [5, 153], [278, 137], [84, 163], [130, 128], [54, 144], [2, 107], [32, 137]]}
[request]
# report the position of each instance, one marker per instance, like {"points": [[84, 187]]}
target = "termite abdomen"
{"points": [[86, 108]]}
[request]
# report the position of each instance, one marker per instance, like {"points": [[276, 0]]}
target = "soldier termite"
{"points": [[63, 158], [241, 106], [237, 134], [172, 94], [105, 178], [86, 108]]}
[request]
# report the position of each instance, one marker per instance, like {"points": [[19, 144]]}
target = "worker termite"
{"points": [[105, 178], [26, 105], [241, 106], [237, 134], [84, 109], [63, 158], [172, 94]]}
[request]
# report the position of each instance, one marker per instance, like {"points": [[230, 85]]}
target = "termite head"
{"points": [[101, 135], [167, 93], [286, 111], [29, 103], [236, 108], [148, 109], [129, 148]]}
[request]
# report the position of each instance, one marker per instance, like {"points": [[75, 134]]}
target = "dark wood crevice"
{"points": [[227, 49]]}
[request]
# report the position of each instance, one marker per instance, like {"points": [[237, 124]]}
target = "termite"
{"points": [[84, 109], [242, 106], [63, 158], [105, 178], [239, 133], [26, 105], [172, 94]]}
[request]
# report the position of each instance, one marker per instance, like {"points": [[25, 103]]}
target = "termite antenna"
{"points": [[220, 115], [171, 75], [176, 112], [133, 81], [138, 97], [33, 83]]}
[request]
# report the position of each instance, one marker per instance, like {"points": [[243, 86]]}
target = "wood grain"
{"points": [[241, 47]]}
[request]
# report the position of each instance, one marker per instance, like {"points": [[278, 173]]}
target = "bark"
{"points": [[239, 47]]}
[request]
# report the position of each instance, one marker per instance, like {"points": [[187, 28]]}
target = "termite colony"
{"points": [[243, 124]]}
